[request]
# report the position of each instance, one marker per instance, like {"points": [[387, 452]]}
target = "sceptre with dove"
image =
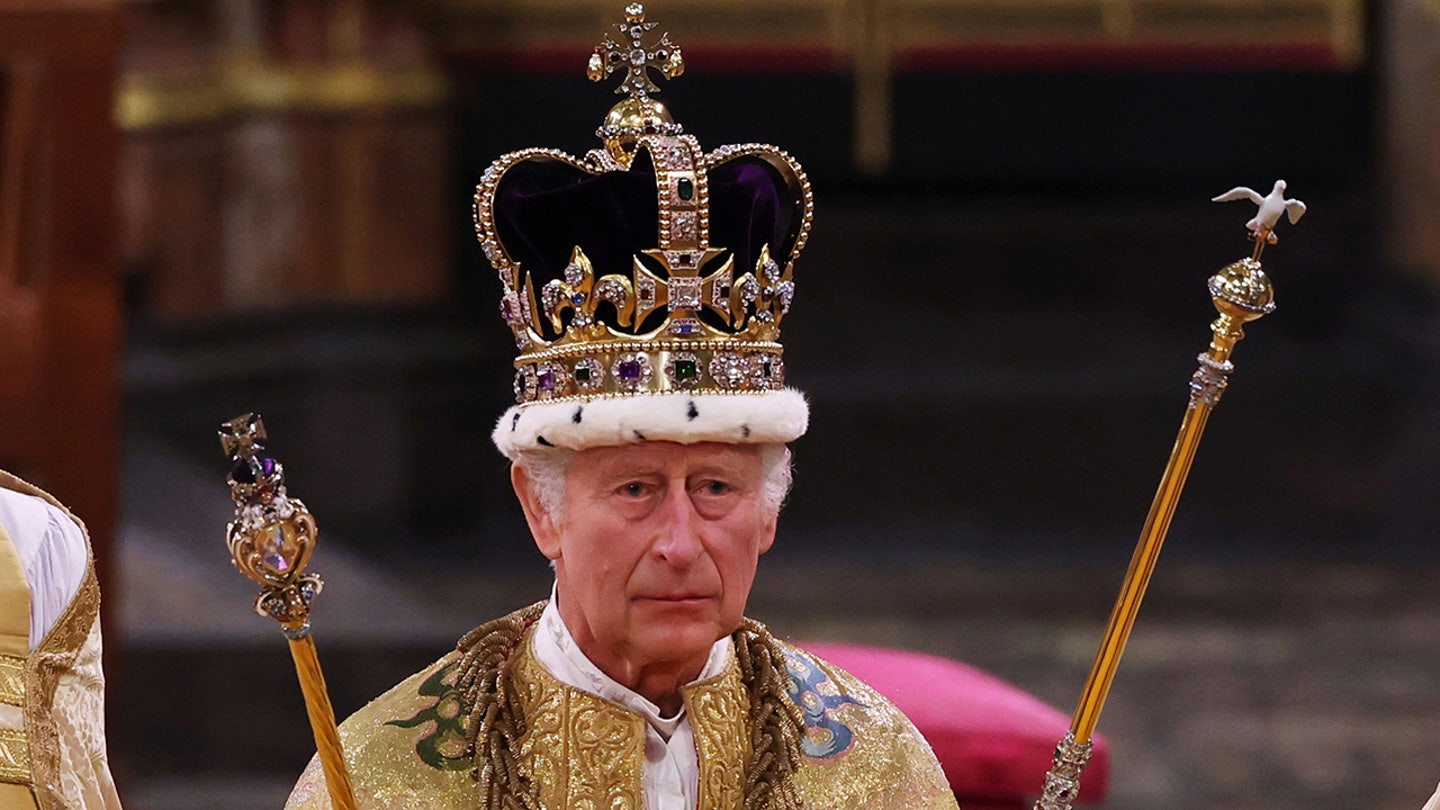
{"points": [[1241, 293], [1262, 227]]}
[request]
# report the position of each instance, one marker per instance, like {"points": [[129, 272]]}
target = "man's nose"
{"points": [[678, 541]]}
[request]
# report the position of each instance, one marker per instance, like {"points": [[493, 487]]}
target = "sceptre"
{"points": [[270, 541], [1241, 293]]}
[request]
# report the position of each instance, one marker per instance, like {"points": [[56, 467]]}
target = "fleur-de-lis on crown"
{"points": [[751, 304], [635, 58]]}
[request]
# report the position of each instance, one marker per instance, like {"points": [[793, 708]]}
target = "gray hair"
{"points": [[547, 472]]}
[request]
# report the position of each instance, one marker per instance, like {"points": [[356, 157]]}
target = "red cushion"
{"points": [[993, 739]]}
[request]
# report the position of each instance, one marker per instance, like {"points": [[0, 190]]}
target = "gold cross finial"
{"points": [[635, 58], [242, 436]]}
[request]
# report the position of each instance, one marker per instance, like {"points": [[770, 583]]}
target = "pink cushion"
{"points": [[993, 739]]}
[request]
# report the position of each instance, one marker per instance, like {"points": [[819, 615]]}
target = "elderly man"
{"points": [[648, 451]]}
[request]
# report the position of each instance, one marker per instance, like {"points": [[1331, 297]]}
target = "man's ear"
{"points": [[542, 526], [767, 532]]}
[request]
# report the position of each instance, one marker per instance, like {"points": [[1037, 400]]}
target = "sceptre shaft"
{"points": [[270, 541], [1241, 293]]}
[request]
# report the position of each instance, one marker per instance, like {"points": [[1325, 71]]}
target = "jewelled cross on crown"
{"points": [[635, 58]]}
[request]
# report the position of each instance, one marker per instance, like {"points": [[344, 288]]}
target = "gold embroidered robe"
{"points": [[52, 700], [406, 749]]}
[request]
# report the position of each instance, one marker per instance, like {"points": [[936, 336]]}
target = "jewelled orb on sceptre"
{"points": [[1241, 291], [272, 535]]}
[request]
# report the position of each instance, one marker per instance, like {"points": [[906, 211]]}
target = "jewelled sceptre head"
{"points": [[1241, 293], [273, 535], [271, 539]]}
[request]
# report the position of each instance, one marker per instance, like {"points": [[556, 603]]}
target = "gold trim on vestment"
{"points": [[55, 656], [581, 750], [12, 680], [14, 757], [578, 750], [719, 712]]}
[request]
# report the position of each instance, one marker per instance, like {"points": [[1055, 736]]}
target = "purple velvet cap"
{"points": [[545, 208]]}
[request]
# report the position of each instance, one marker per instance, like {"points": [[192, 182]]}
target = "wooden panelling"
{"points": [[59, 283], [280, 155]]}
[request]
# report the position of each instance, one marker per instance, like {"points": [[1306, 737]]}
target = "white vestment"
{"points": [[52, 552]]}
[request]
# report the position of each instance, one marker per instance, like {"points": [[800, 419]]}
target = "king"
{"points": [[645, 284]]}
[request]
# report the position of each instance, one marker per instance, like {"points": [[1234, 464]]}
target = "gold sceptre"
{"points": [[1242, 293], [270, 540]]}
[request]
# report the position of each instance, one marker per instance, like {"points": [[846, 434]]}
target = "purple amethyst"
{"points": [[545, 379], [248, 470], [628, 370]]}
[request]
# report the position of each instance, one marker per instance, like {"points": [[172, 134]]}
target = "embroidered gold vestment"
{"points": [[407, 748], [52, 700]]}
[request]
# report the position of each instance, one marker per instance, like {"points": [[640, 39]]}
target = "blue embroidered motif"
{"points": [[826, 736]]}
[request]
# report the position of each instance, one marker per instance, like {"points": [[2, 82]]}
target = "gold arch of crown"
{"points": [[599, 350]]}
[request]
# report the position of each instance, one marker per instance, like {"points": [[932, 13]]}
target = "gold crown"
{"points": [[677, 312]]}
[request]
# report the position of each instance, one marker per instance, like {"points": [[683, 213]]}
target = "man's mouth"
{"points": [[675, 598]]}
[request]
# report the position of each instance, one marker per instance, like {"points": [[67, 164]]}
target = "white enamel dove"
{"points": [[1271, 207]]}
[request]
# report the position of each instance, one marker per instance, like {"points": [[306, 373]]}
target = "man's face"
{"points": [[655, 549]]}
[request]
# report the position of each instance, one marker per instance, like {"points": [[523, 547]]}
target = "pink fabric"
{"points": [[993, 739]]}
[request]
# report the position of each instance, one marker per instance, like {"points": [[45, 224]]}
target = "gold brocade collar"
{"points": [[581, 750]]}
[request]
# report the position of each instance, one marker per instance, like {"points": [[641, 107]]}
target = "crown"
{"points": [[648, 266]]}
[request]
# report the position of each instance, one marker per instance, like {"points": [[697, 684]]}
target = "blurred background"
{"points": [[209, 207]]}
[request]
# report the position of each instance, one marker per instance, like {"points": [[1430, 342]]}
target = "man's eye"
{"points": [[716, 488], [634, 489]]}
